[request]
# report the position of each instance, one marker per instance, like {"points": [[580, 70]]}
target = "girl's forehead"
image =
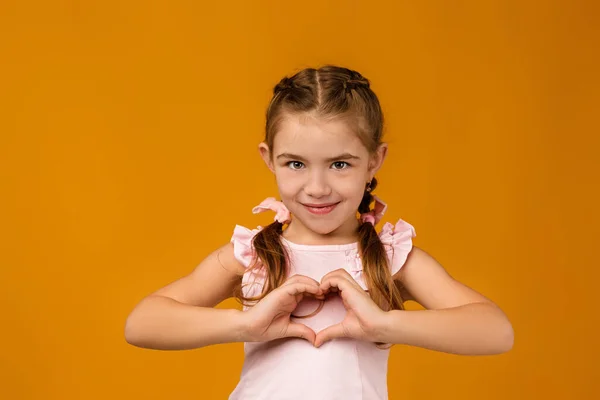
{"points": [[313, 135]]}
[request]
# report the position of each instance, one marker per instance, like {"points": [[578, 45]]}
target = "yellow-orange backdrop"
{"points": [[128, 135]]}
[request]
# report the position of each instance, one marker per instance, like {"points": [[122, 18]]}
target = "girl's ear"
{"points": [[265, 153], [377, 160]]}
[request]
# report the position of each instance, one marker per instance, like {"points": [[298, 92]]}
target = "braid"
{"points": [[365, 203], [269, 253], [377, 274], [356, 81], [284, 84]]}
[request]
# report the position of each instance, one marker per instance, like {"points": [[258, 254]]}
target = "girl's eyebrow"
{"points": [[343, 156]]}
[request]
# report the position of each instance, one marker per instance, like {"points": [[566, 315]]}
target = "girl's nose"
{"points": [[317, 186]]}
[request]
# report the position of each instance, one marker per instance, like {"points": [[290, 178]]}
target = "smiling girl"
{"points": [[323, 291]]}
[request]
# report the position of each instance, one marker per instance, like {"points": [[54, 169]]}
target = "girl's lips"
{"points": [[320, 209]]}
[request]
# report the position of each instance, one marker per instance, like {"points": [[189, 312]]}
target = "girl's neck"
{"points": [[298, 233]]}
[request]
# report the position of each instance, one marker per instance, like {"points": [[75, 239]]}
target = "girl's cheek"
{"points": [[288, 182]]}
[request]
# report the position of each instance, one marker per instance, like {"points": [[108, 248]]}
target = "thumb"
{"points": [[331, 332], [300, 330]]}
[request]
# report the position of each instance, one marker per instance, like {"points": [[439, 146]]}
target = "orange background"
{"points": [[128, 134]]}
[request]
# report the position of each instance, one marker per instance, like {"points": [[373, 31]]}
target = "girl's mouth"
{"points": [[320, 209]]}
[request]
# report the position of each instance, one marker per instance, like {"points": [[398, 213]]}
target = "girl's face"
{"points": [[321, 168]]}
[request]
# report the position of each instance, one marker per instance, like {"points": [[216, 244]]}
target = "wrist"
{"points": [[239, 325], [389, 330]]}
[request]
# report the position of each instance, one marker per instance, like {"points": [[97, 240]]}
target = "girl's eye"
{"points": [[340, 165], [295, 164]]}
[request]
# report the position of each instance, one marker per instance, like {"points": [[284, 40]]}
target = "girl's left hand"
{"points": [[364, 319]]}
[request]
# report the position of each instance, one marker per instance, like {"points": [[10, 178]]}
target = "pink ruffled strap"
{"points": [[397, 240], [242, 244]]}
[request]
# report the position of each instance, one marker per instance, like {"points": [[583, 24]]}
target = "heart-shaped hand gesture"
{"points": [[364, 319], [269, 319]]}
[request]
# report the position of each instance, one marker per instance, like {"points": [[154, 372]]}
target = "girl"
{"points": [[323, 292]]}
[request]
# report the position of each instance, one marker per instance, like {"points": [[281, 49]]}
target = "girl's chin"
{"points": [[321, 226]]}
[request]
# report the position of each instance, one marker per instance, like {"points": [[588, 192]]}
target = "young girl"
{"points": [[323, 292]]}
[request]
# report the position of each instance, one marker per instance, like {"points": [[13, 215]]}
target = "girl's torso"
{"points": [[292, 368]]}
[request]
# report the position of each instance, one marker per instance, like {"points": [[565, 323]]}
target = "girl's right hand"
{"points": [[269, 319]]}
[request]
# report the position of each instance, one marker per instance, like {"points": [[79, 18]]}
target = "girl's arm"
{"points": [[457, 319], [181, 315]]}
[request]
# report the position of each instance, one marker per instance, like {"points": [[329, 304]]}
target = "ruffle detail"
{"points": [[355, 268], [397, 240], [242, 244]]}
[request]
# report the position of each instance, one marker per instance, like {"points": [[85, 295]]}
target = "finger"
{"points": [[340, 283], [294, 289], [331, 332], [300, 278], [300, 330], [338, 272]]}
